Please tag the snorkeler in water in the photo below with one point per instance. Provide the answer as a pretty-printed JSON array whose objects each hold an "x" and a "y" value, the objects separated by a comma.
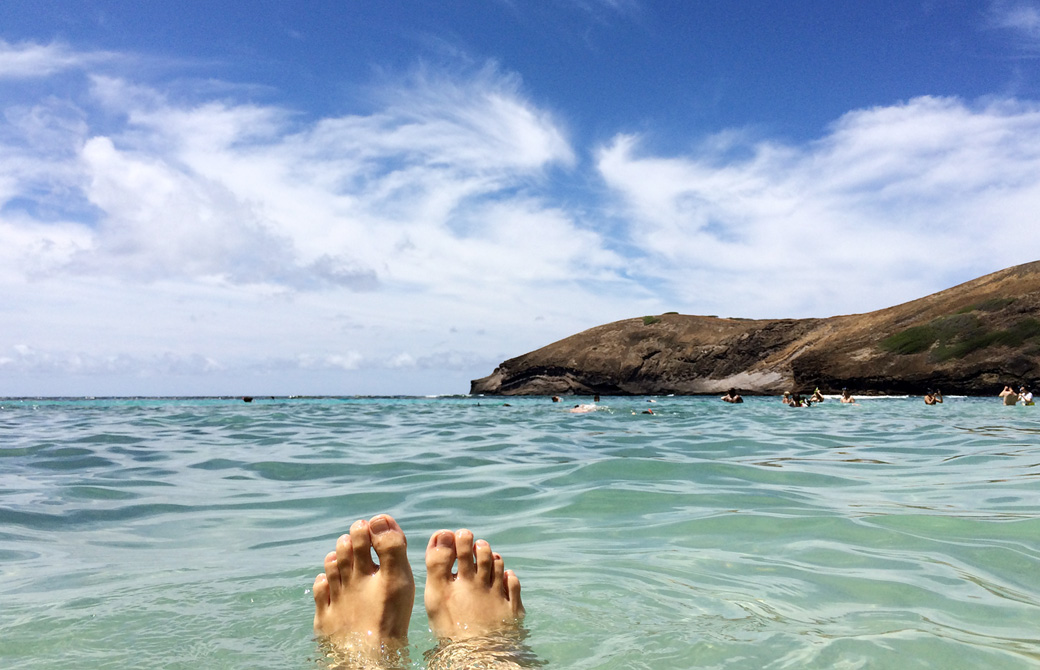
[{"x": 362, "y": 609}]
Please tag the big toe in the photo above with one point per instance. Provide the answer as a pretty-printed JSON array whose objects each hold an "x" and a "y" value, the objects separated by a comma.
[
  {"x": 389, "y": 542},
  {"x": 440, "y": 556}
]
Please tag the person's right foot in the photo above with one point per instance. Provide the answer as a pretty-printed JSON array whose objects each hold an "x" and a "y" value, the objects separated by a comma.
[{"x": 482, "y": 597}]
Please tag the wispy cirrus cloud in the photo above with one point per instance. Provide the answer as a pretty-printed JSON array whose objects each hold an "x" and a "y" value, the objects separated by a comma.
[
  {"x": 892, "y": 193},
  {"x": 1020, "y": 17},
  {"x": 240, "y": 192},
  {"x": 29, "y": 60}
]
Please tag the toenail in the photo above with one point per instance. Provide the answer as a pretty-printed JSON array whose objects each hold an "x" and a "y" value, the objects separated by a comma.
[
  {"x": 445, "y": 539},
  {"x": 378, "y": 525}
]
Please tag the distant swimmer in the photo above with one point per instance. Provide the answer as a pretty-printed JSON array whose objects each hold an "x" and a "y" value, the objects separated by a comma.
[
  {"x": 933, "y": 397},
  {"x": 583, "y": 409},
  {"x": 1025, "y": 395},
  {"x": 786, "y": 399},
  {"x": 1008, "y": 395},
  {"x": 797, "y": 401},
  {"x": 732, "y": 396},
  {"x": 847, "y": 398},
  {"x": 556, "y": 398},
  {"x": 817, "y": 396}
]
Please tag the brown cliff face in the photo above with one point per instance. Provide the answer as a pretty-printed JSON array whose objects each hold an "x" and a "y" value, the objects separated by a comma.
[{"x": 972, "y": 339}]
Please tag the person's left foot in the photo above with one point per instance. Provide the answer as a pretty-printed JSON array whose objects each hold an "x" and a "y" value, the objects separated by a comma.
[{"x": 358, "y": 603}]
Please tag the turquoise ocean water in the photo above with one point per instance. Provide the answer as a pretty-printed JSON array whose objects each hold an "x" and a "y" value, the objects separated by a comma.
[{"x": 186, "y": 533}]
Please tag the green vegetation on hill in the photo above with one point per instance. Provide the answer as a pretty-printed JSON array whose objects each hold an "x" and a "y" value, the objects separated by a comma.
[
  {"x": 957, "y": 335},
  {"x": 991, "y": 305}
]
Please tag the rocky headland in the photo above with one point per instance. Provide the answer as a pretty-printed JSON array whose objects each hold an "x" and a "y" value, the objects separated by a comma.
[{"x": 969, "y": 339}]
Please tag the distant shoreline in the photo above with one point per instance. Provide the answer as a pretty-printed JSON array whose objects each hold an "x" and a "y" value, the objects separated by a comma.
[{"x": 460, "y": 396}]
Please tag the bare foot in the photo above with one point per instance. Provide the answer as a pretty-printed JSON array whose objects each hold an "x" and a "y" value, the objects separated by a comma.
[
  {"x": 483, "y": 597},
  {"x": 360, "y": 605}
]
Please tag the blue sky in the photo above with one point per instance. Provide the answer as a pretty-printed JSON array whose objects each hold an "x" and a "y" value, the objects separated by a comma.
[{"x": 376, "y": 197}]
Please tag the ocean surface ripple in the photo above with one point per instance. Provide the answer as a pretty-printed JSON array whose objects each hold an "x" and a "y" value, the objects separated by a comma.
[{"x": 185, "y": 533}]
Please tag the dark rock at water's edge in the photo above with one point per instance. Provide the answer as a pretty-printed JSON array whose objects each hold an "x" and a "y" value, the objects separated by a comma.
[{"x": 970, "y": 339}]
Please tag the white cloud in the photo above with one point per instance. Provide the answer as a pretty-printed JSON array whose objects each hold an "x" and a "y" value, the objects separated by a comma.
[
  {"x": 1020, "y": 19},
  {"x": 25, "y": 359},
  {"x": 1022, "y": 16},
  {"x": 142, "y": 235},
  {"x": 265, "y": 243},
  {"x": 402, "y": 360},
  {"x": 30, "y": 60},
  {"x": 235, "y": 191},
  {"x": 890, "y": 193},
  {"x": 350, "y": 360}
]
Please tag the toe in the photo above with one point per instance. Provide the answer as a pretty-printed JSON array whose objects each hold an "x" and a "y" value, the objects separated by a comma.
[
  {"x": 344, "y": 559},
  {"x": 320, "y": 590},
  {"x": 513, "y": 589},
  {"x": 332, "y": 573},
  {"x": 498, "y": 578},
  {"x": 485, "y": 562},
  {"x": 464, "y": 549},
  {"x": 389, "y": 542},
  {"x": 440, "y": 556},
  {"x": 361, "y": 542}
]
